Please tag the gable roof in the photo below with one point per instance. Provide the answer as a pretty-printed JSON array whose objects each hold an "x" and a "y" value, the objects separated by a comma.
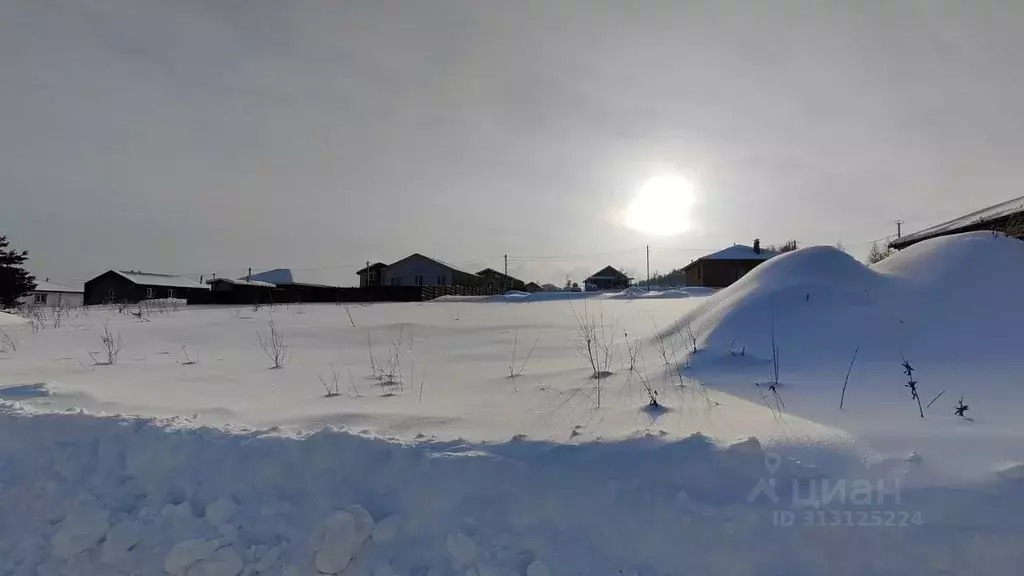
[
  {"x": 374, "y": 265},
  {"x": 241, "y": 282},
  {"x": 169, "y": 280},
  {"x": 736, "y": 252},
  {"x": 980, "y": 217},
  {"x": 275, "y": 276},
  {"x": 43, "y": 286},
  {"x": 441, "y": 262},
  {"x": 608, "y": 272}
]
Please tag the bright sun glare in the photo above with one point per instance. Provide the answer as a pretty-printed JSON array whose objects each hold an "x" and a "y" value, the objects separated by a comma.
[{"x": 662, "y": 206}]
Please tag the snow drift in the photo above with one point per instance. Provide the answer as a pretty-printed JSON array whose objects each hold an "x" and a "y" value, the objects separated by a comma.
[
  {"x": 7, "y": 319},
  {"x": 953, "y": 299},
  {"x": 103, "y": 495}
]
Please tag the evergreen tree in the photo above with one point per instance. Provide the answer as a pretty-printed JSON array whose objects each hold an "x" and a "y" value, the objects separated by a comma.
[{"x": 14, "y": 279}]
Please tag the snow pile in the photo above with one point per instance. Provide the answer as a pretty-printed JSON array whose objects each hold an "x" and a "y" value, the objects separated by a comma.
[
  {"x": 953, "y": 298},
  {"x": 7, "y": 319},
  {"x": 91, "y": 495}
]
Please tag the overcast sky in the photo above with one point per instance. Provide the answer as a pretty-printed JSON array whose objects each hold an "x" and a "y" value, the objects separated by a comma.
[{"x": 202, "y": 136}]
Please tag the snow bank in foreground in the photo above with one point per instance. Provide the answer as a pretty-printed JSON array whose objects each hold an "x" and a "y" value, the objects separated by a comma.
[
  {"x": 11, "y": 319},
  {"x": 90, "y": 495},
  {"x": 953, "y": 298}
]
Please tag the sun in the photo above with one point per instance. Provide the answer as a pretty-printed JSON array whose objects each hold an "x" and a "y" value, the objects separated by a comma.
[{"x": 662, "y": 206}]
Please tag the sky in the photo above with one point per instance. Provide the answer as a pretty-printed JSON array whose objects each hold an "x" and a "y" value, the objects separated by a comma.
[{"x": 210, "y": 136}]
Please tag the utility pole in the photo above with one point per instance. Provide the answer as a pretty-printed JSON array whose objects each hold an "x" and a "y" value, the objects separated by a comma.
[
  {"x": 248, "y": 277},
  {"x": 504, "y": 280},
  {"x": 899, "y": 229},
  {"x": 648, "y": 267}
]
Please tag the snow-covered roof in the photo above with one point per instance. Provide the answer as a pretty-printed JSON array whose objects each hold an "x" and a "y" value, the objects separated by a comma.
[
  {"x": 169, "y": 280},
  {"x": 42, "y": 286},
  {"x": 737, "y": 252},
  {"x": 241, "y": 282},
  {"x": 974, "y": 218}
]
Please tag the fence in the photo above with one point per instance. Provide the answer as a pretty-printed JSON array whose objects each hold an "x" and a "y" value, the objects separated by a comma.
[{"x": 432, "y": 292}]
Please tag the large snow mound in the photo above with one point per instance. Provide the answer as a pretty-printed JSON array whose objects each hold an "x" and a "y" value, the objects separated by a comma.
[
  {"x": 89, "y": 495},
  {"x": 952, "y": 299},
  {"x": 11, "y": 319}
]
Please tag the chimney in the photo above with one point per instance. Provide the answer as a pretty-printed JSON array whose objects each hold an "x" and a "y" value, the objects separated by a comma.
[{"x": 757, "y": 245}]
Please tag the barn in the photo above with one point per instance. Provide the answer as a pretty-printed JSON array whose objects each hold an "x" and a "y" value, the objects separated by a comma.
[{"x": 133, "y": 286}]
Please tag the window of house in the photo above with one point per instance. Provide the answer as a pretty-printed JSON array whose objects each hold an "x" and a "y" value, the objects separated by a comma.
[
  {"x": 394, "y": 280},
  {"x": 440, "y": 280},
  {"x": 149, "y": 292},
  {"x": 419, "y": 280},
  {"x": 170, "y": 292},
  {"x": 698, "y": 271},
  {"x": 110, "y": 294},
  {"x": 40, "y": 298}
]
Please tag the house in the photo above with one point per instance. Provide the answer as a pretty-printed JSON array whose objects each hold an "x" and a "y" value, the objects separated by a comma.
[
  {"x": 288, "y": 289},
  {"x": 724, "y": 267},
  {"x": 133, "y": 286},
  {"x": 419, "y": 270},
  {"x": 48, "y": 293},
  {"x": 230, "y": 291},
  {"x": 533, "y": 287},
  {"x": 499, "y": 282},
  {"x": 607, "y": 278},
  {"x": 1005, "y": 217},
  {"x": 371, "y": 275}
]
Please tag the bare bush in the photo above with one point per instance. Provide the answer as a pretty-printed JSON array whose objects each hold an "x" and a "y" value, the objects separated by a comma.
[
  {"x": 691, "y": 338},
  {"x": 188, "y": 359},
  {"x": 273, "y": 344},
  {"x": 911, "y": 384},
  {"x": 632, "y": 351},
  {"x": 733, "y": 351},
  {"x": 596, "y": 344},
  {"x": 7, "y": 342},
  {"x": 112, "y": 345},
  {"x": 333, "y": 387},
  {"x": 513, "y": 371},
  {"x": 665, "y": 346},
  {"x": 652, "y": 394},
  {"x": 846, "y": 381},
  {"x": 387, "y": 367}
]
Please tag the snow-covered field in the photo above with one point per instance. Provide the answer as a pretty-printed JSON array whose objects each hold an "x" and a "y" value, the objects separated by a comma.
[{"x": 191, "y": 454}]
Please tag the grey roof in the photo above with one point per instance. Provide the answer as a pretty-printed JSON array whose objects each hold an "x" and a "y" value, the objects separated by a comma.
[
  {"x": 980, "y": 217},
  {"x": 441, "y": 262},
  {"x": 275, "y": 276},
  {"x": 241, "y": 282},
  {"x": 169, "y": 280},
  {"x": 737, "y": 252},
  {"x": 43, "y": 286}
]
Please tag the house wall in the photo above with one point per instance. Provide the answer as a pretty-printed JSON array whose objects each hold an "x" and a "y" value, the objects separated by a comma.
[
  {"x": 54, "y": 298},
  {"x": 372, "y": 277},
  {"x": 98, "y": 290},
  {"x": 492, "y": 280},
  {"x": 404, "y": 273},
  {"x": 719, "y": 273}
]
